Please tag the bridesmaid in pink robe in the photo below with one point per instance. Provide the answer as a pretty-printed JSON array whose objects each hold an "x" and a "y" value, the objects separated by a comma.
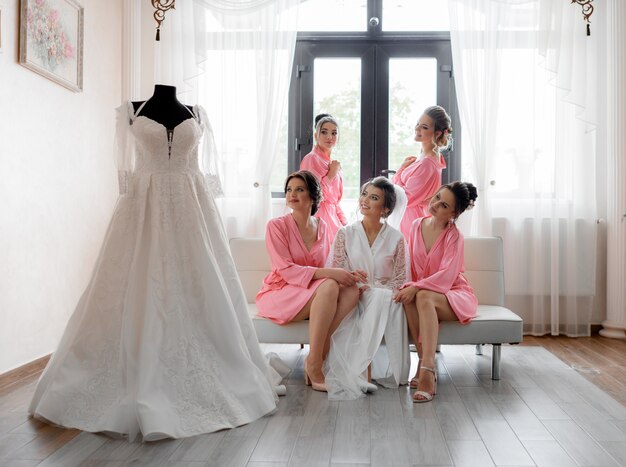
[
  {"x": 299, "y": 286},
  {"x": 439, "y": 291},
  {"x": 421, "y": 178},
  {"x": 328, "y": 173}
]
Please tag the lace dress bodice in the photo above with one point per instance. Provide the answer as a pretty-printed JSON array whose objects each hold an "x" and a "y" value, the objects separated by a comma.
[
  {"x": 163, "y": 150},
  {"x": 145, "y": 146}
]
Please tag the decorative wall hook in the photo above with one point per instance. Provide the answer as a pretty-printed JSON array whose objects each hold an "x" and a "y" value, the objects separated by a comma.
[
  {"x": 587, "y": 10},
  {"x": 161, "y": 6}
]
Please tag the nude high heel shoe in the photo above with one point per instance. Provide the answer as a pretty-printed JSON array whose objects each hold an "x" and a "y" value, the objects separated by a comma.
[
  {"x": 309, "y": 382},
  {"x": 427, "y": 396}
]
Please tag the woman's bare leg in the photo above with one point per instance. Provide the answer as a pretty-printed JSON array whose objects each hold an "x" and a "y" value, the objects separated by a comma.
[
  {"x": 432, "y": 307},
  {"x": 321, "y": 310},
  {"x": 413, "y": 322},
  {"x": 348, "y": 299}
]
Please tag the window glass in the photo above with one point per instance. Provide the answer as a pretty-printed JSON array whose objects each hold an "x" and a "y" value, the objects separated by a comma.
[
  {"x": 525, "y": 145},
  {"x": 235, "y": 143},
  {"x": 332, "y": 15},
  {"x": 337, "y": 91},
  {"x": 415, "y": 15},
  {"x": 412, "y": 88},
  {"x": 279, "y": 170},
  {"x": 238, "y": 143}
]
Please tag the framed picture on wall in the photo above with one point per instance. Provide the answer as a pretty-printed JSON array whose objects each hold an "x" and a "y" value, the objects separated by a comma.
[
  {"x": 0, "y": 27},
  {"x": 51, "y": 40}
]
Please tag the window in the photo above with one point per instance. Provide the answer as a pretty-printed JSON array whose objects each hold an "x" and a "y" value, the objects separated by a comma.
[
  {"x": 415, "y": 15},
  {"x": 406, "y": 96},
  {"x": 527, "y": 163},
  {"x": 337, "y": 90},
  {"x": 332, "y": 15},
  {"x": 374, "y": 78}
]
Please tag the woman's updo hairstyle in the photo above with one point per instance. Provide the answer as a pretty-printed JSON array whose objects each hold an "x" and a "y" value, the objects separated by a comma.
[
  {"x": 389, "y": 191},
  {"x": 312, "y": 186},
  {"x": 318, "y": 116},
  {"x": 442, "y": 123},
  {"x": 465, "y": 195}
]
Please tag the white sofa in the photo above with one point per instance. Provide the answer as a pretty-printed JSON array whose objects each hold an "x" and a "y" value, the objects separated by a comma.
[{"x": 484, "y": 268}]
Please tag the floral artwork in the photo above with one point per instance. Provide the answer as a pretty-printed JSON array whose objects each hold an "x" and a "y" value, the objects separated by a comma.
[
  {"x": 50, "y": 41},
  {"x": 51, "y": 35}
]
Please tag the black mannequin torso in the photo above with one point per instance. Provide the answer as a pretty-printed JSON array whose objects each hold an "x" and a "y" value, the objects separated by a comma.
[{"x": 163, "y": 107}]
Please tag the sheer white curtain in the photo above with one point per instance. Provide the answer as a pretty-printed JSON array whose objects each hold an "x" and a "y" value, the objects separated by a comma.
[
  {"x": 235, "y": 58},
  {"x": 526, "y": 82}
]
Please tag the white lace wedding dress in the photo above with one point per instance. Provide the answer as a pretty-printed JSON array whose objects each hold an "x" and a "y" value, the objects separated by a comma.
[{"x": 160, "y": 344}]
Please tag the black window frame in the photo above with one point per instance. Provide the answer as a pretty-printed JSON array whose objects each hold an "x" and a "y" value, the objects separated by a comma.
[{"x": 374, "y": 47}]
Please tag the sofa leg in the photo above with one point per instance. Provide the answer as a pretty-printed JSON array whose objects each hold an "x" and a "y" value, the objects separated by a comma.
[
  {"x": 496, "y": 350},
  {"x": 479, "y": 349},
  {"x": 301, "y": 346}
]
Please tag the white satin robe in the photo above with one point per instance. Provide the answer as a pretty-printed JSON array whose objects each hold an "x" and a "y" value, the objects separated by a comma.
[{"x": 357, "y": 341}]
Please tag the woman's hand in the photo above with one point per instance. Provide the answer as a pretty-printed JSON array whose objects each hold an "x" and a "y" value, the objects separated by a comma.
[
  {"x": 406, "y": 295},
  {"x": 335, "y": 166},
  {"x": 347, "y": 278},
  {"x": 342, "y": 277},
  {"x": 360, "y": 275},
  {"x": 408, "y": 161}
]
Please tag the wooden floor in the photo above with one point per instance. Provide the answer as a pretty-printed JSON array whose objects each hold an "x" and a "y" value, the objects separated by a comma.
[
  {"x": 600, "y": 360},
  {"x": 560, "y": 402}
]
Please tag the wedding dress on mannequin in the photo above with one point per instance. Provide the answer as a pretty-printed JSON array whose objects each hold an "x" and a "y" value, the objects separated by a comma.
[{"x": 161, "y": 343}]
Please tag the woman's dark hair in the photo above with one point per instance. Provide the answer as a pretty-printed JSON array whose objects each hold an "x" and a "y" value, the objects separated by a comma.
[
  {"x": 465, "y": 195},
  {"x": 389, "y": 191},
  {"x": 312, "y": 186},
  {"x": 319, "y": 116},
  {"x": 442, "y": 123}
]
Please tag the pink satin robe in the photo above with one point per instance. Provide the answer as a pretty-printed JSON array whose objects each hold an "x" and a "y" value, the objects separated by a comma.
[
  {"x": 420, "y": 182},
  {"x": 332, "y": 190},
  {"x": 440, "y": 270},
  {"x": 290, "y": 285}
]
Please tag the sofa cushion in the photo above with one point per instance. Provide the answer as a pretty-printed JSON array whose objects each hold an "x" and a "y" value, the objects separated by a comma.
[
  {"x": 269, "y": 332},
  {"x": 492, "y": 325}
]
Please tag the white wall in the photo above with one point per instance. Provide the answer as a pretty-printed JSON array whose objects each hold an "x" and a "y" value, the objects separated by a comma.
[{"x": 57, "y": 182}]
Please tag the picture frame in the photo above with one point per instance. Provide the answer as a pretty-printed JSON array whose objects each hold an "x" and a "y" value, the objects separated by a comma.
[
  {"x": 1, "y": 6},
  {"x": 51, "y": 40}
]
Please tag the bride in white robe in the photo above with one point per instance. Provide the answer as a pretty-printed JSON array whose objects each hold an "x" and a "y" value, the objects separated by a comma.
[{"x": 375, "y": 247}]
